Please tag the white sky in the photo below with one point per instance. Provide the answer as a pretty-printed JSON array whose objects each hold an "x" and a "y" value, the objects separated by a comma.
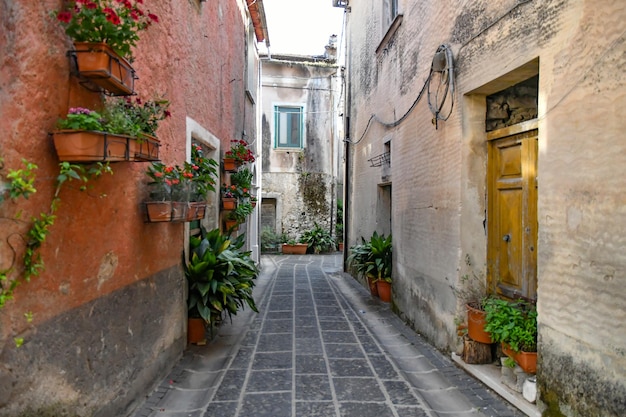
[{"x": 301, "y": 27}]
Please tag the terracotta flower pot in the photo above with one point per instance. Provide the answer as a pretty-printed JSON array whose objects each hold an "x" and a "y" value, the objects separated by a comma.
[
  {"x": 92, "y": 146},
  {"x": 230, "y": 164},
  {"x": 230, "y": 224},
  {"x": 296, "y": 249},
  {"x": 158, "y": 211},
  {"x": 145, "y": 148},
  {"x": 229, "y": 203},
  {"x": 96, "y": 63},
  {"x": 88, "y": 146},
  {"x": 196, "y": 331},
  {"x": 195, "y": 211},
  {"x": 526, "y": 360},
  {"x": 384, "y": 290},
  {"x": 371, "y": 282},
  {"x": 476, "y": 325}
]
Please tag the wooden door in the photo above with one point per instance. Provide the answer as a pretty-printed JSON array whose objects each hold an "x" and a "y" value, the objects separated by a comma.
[{"x": 512, "y": 213}]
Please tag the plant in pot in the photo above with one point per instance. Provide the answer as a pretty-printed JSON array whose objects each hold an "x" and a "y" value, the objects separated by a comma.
[
  {"x": 471, "y": 292},
  {"x": 104, "y": 34},
  {"x": 123, "y": 131},
  {"x": 239, "y": 153},
  {"x": 291, "y": 246},
  {"x": 357, "y": 262},
  {"x": 239, "y": 215},
  {"x": 242, "y": 178},
  {"x": 220, "y": 278},
  {"x": 514, "y": 325},
  {"x": 379, "y": 264},
  {"x": 318, "y": 239}
]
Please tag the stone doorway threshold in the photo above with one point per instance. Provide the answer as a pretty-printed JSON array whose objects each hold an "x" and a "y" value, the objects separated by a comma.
[{"x": 490, "y": 376}]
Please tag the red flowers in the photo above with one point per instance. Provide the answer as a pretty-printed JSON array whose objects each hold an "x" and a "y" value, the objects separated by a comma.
[
  {"x": 117, "y": 23},
  {"x": 239, "y": 150},
  {"x": 64, "y": 17}
]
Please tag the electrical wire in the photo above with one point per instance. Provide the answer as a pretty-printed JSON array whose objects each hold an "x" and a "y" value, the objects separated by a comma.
[{"x": 436, "y": 110}]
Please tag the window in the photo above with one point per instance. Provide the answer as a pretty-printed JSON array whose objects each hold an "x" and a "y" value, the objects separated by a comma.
[{"x": 288, "y": 127}]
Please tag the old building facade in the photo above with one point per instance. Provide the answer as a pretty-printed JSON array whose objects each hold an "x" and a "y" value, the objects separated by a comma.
[
  {"x": 301, "y": 143},
  {"x": 488, "y": 139},
  {"x": 106, "y": 318}
]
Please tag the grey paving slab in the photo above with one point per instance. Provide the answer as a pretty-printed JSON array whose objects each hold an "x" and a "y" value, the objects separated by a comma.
[{"x": 320, "y": 346}]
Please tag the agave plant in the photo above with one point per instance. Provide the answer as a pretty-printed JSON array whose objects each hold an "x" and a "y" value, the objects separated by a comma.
[{"x": 220, "y": 276}]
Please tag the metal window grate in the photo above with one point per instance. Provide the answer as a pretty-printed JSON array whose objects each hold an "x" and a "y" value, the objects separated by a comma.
[{"x": 380, "y": 160}]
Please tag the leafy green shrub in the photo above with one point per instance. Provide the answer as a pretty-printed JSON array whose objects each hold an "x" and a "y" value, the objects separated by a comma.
[
  {"x": 512, "y": 322},
  {"x": 318, "y": 239},
  {"x": 372, "y": 258},
  {"x": 269, "y": 240},
  {"x": 220, "y": 276}
]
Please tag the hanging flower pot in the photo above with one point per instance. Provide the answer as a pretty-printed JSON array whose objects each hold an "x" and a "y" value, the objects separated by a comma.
[
  {"x": 145, "y": 148},
  {"x": 158, "y": 211},
  {"x": 92, "y": 146},
  {"x": 229, "y": 203},
  {"x": 230, "y": 165},
  {"x": 230, "y": 224},
  {"x": 97, "y": 64},
  {"x": 195, "y": 211}
]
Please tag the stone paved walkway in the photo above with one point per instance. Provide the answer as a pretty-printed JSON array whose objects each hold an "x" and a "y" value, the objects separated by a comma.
[{"x": 321, "y": 346}]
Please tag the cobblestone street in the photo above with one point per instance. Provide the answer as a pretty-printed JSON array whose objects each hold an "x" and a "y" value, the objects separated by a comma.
[{"x": 320, "y": 346}]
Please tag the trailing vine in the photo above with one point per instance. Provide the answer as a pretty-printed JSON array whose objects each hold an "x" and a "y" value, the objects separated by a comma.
[{"x": 22, "y": 184}]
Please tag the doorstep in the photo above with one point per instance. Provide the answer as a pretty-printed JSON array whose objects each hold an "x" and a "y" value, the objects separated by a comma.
[{"x": 490, "y": 376}]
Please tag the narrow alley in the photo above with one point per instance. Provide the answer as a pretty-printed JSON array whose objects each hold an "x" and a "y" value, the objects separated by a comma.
[{"x": 320, "y": 346}]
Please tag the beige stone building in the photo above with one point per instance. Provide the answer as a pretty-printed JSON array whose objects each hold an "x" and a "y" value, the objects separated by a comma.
[
  {"x": 301, "y": 130},
  {"x": 488, "y": 138}
]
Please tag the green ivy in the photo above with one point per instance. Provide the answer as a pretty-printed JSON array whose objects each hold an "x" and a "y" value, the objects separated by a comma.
[{"x": 22, "y": 185}]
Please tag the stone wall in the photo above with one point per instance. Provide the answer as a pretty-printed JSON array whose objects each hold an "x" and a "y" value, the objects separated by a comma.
[
  {"x": 301, "y": 181},
  {"x": 438, "y": 171}
]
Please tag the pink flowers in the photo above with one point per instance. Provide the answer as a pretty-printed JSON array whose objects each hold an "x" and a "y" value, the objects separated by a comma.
[{"x": 79, "y": 110}]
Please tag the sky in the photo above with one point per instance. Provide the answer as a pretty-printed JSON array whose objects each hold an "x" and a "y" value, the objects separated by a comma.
[{"x": 301, "y": 27}]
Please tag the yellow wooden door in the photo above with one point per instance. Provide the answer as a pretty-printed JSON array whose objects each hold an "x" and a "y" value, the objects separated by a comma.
[{"x": 512, "y": 213}]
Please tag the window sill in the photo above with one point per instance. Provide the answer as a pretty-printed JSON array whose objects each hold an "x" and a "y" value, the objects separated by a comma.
[{"x": 390, "y": 32}]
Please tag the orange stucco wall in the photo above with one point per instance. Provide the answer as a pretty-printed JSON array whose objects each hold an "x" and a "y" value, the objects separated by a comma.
[{"x": 99, "y": 243}]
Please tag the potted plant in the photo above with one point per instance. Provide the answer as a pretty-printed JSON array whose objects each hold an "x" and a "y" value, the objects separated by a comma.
[
  {"x": 104, "y": 33},
  {"x": 514, "y": 325},
  {"x": 220, "y": 278},
  {"x": 242, "y": 178},
  {"x": 318, "y": 239},
  {"x": 239, "y": 214},
  {"x": 379, "y": 264},
  {"x": 123, "y": 131},
  {"x": 229, "y": 197},
  {"x": 238, "y": 155},
  {"x": 293, "y": 247},
  {"x": 357, "y": 262},
  {"x": 180, "y": 191}
]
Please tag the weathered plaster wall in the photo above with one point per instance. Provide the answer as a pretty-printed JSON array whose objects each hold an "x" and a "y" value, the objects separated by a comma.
[
  {"x": 304, "y": 180},
  {"x": 107, "y": 272},
  {"x": 438, "y": 175}
]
